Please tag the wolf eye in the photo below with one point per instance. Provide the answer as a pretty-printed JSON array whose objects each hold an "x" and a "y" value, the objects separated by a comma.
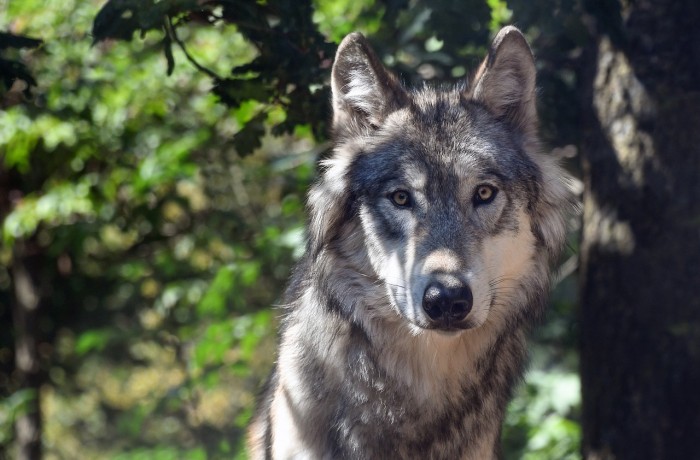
[
  {"x": 401, "y": 198},
  {"x": 484, "y": 194}
]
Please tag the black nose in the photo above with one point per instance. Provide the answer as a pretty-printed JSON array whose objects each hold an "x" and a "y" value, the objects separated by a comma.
[{"x": 447, "y": 304}]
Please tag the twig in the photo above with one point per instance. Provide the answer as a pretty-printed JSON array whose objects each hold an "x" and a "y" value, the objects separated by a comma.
[{"x": 170, "y": 30}]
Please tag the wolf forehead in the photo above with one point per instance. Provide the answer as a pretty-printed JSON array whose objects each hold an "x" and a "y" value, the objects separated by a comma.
[{"x": 440, "y": 137}]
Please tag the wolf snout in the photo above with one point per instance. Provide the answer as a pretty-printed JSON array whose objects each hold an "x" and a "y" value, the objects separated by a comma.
[{"x": 447, "y": 305}]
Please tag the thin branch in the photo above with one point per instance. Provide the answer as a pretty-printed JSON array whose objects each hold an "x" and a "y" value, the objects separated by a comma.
[{"x": 172, "y": 33}]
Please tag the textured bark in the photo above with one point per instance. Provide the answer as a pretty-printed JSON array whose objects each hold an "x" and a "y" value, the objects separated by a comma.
[
  {"x": 640, "y": 286},
  {"x": 25, "y": 270}
]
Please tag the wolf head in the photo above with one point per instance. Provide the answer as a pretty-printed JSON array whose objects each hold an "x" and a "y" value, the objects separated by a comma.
[{"x": 440, "y": 197}]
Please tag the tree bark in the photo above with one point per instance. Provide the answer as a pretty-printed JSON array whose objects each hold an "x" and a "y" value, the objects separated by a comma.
[
  {"x": 640, "y": 254},
  {"x": 26, "y": 275}
]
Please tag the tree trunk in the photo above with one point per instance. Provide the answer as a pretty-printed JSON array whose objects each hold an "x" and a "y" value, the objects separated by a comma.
[
  {"x": 640, "y": 255},
  {"x": 25, "y": 270}
]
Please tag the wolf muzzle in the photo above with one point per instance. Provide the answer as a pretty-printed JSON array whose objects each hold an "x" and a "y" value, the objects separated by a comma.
[{"x": 447, "y": 304}]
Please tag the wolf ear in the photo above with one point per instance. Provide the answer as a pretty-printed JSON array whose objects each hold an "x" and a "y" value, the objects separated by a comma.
[
  {"x": 364, "y": 92},
  {"x": 505, "y": 82}
]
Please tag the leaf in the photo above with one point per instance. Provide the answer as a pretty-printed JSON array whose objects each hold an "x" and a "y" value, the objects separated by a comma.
[
  {"x": 118, "y": 19},
  {"x": 92, "y": 340},
  {"x": 234, "y": 91},
  {"x": 168, "y": 50},
  {"x": 58, "y": 205},
  {"x": 217, "y": 340},
  {"x": 14, "y": 70},
  {"x": 12, "y": 408},
  {"x": 250, "y": 137},
  {"x": 214, "y": 300},
  {"x": 8, "y": 40}
]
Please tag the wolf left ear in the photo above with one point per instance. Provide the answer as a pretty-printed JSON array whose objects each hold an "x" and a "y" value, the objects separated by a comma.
[
  {"x": 364, "y": 92},
  {"x": 505, "y": 82}
]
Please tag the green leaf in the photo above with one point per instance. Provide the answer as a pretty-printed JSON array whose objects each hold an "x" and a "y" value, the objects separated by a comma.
[
  {"x": 500, "y": 14},
  {"x": 94, "y": 340},
  {"x": 11, "y": 408},
  {"x": 58, "y": 205},
  {"x": 250, "y": 137},
  {"x": 215, "y": 299},
  {"x": 234, "y": 91},
  {"x": 214, "y": 344}
]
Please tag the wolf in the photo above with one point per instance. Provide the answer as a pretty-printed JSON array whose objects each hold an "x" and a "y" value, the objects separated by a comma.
[{"x": 432, "y": 231}]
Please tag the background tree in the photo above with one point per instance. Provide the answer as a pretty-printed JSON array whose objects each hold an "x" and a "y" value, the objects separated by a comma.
[{"x": 640, "y": 304}]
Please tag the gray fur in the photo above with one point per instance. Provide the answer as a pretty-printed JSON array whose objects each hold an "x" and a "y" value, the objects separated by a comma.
[{"x": 363, "y": 370}]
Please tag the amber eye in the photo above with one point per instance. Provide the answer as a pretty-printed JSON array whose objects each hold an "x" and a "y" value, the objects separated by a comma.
[
  {"x": 401, "y": 198},
  {"x": 484, "y": 194}
]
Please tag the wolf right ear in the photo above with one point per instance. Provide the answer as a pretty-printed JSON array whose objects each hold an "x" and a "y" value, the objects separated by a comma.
[
  {"x": 505, "y": 82},
  {"x": 364, "y": 92}
]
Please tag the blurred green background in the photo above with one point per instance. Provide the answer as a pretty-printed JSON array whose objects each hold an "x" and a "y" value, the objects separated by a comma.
[{"x": 152, "y": 205}]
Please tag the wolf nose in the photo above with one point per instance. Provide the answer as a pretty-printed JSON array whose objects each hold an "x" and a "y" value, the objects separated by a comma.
[{"x": 447, "y": 304}]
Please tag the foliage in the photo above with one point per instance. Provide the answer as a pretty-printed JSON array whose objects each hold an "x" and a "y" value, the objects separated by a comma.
[
  {"x": 539, "y": 418},
  {"x": 543, "y": 419},
  {"x": 132, "y": 187},
  {"x": 165, "y": 243},
  {"x": 12, "y": 69},
  {"x": 291, "y": 61},
  {"x": 10, "y": 408}
]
